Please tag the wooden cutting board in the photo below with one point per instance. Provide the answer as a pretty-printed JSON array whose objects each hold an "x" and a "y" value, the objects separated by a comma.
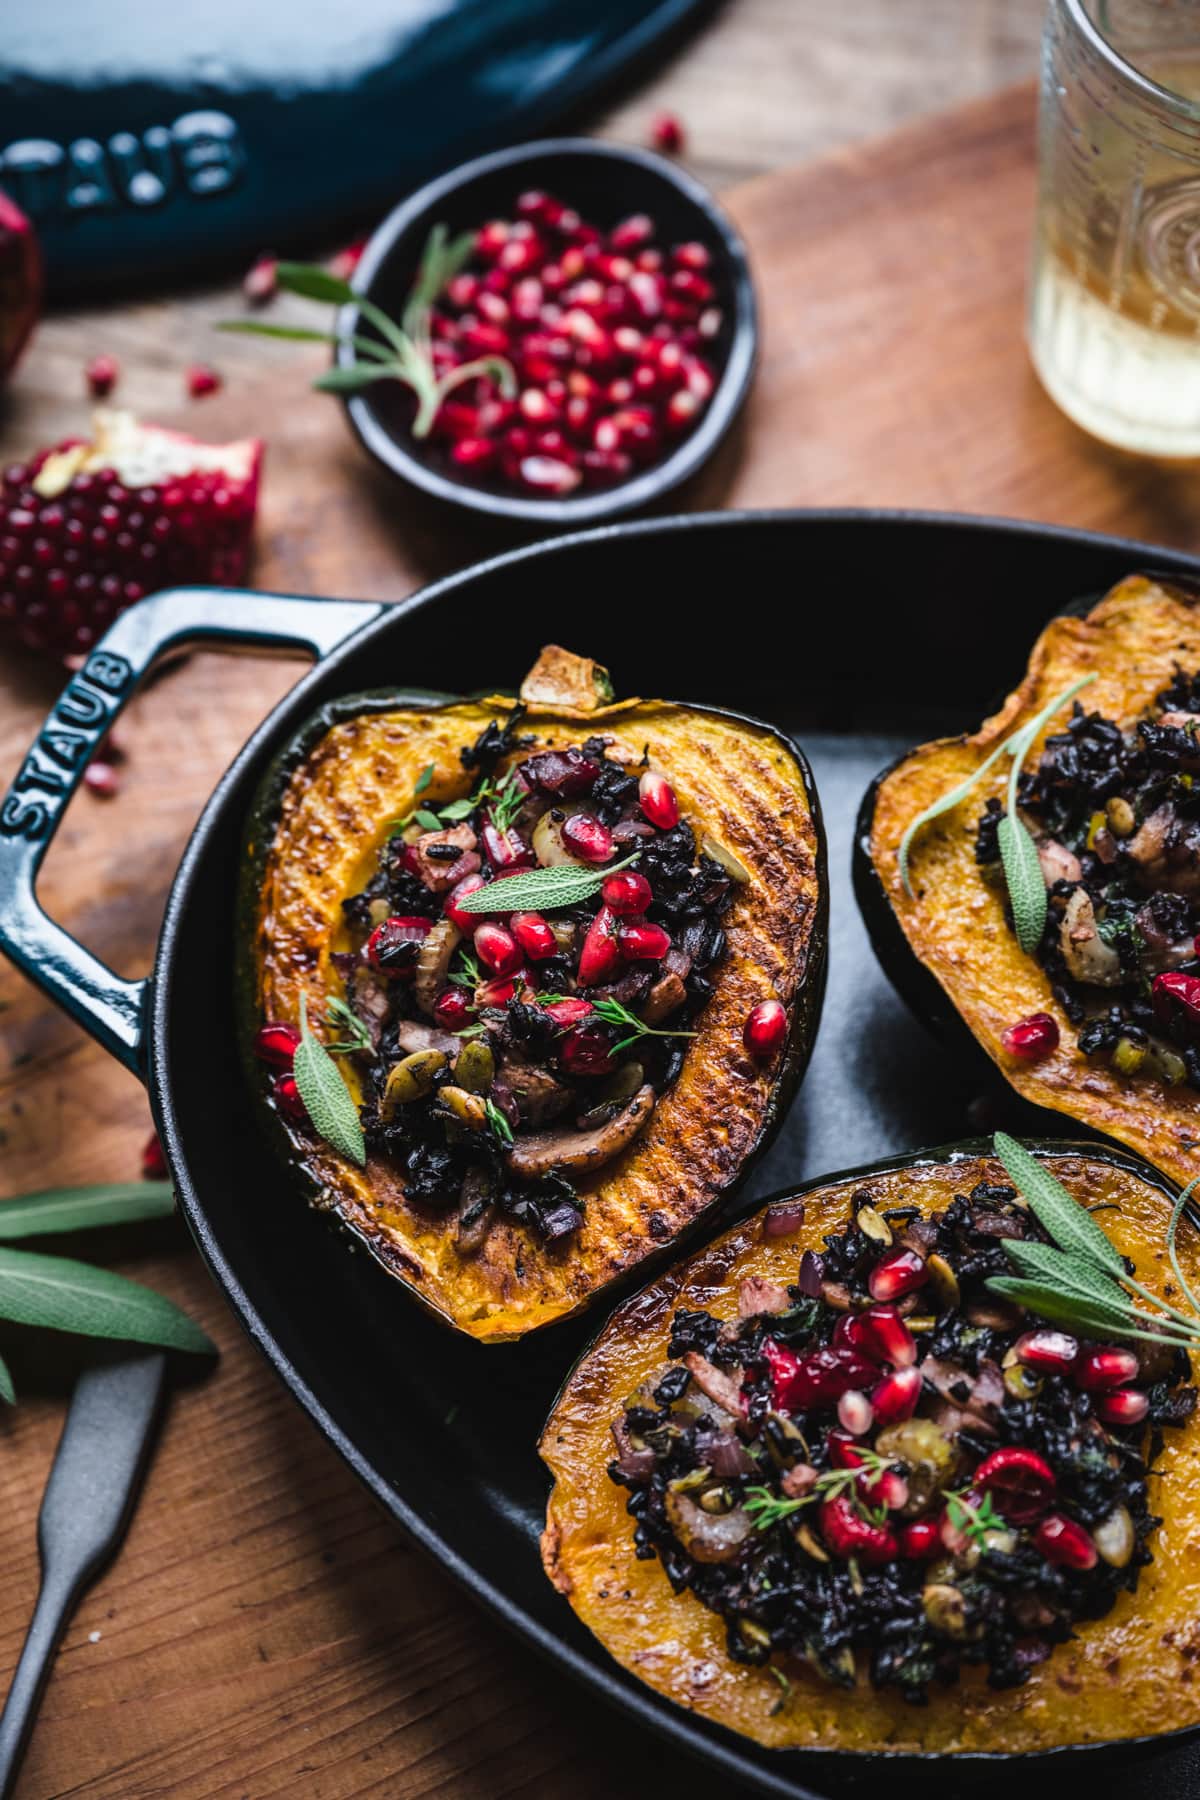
[{"x": 265, "y": 1631}]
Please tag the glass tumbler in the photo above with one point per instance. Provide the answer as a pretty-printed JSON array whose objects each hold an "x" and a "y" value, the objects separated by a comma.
[{"x": 1114, "y": 304}]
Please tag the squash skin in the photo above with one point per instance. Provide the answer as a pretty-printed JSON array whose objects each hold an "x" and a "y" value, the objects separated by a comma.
[
  {"x": 739, "y": 778},
  {"x": 948, "y": 949},
  {"x": 1118, "y": 1681}
]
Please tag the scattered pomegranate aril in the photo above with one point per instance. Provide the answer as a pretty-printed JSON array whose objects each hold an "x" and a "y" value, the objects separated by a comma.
[
  {"x": 498, "y": 992},
  {"x": 667, "y": 133},
  {"x": 921, "y": 1540},
  {"x": 1124, "y": 1406},
  {"x": 465, "y": 921},
  {"x": 1109, "y": 1367},
  {"x": 855, "y": 1412},
  {"x": 154, "y": 1161},
  {"x": 505, "y": 849},
  {"x": 586, "y": 1053},
  {"x": 1062, "y": 1542},
  {"x": 20, "y": 283},
  {"x": 287, "y": 1099},
  {"x": 765, "y": 1030},
  {"x": 102, "y": 375},
  {"x": 474, "y": 453},
  {"x": 346, "y": 261},
  {"x": 626, "y": 892},
  {"x": 1021, "y": 1482},
  {"x": 568, "y": 1011},
  {"x": 1032, "y": 1038},
  {"x": 276, "y": 1045},
  {"x": 393, "y": 946},
  {"x": 847, "y": 1533},
  {"x": 452, "y": 1008},
  {"x": 1051, "y": 1352},
  {"x": 817, "y": 1378},
  {"x": 497, "y": 949},
  {"x": 102, "y": 779},
  {"x": 1174, "y": 989},
  {"x": 534, "y": 935},
  {"x": 202, "y": 380},
  {"x": 89, "y": 527},
  {"x": 900, "y": 1272},
  {"x": 657, "y": 799},
  {"x": 601, "y": 953},
  {"x": 586, "y": 837},
  {"x": 889, "y": 1488},
  {"x": 885, "y": 1337},
  {"x": 261, "y": 281},
  {"x": 643, "y": 942},
  {"x": 896, "y": 1396}
]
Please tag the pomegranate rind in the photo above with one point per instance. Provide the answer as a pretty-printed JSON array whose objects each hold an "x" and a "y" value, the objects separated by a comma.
[
  {"x": 1121, "y": 1677},
  {"x": 323, "y": 813}
]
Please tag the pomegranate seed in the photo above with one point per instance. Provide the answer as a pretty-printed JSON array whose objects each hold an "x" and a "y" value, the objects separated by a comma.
[
  {"x": 346, "y": 261},
  {"x": 505, "y": 849},
  {"x": 1175, "y": 989},
  {"x": 1022, "y": 1483},
  {"x": 765, "y": 1030},
  {"x": 533, "y": 204},
  {"x": 1124, "y": 1406},
  {"x": 201, "y": 380},
  {"x": 465, "y": 921},
  {"x": 682, "y": 410},
  {"x": 884, "y": 1337},
  {"x": 586, "y": 1053},
  {"x": 601, "y": 953},
  {"x": 491, "y": 238},
  {"x": 102, "y": 374},
  {"x": 287, "y": 1099},
  {"x": 626, "y": 892},
  {"x": 921, "y": 1540},
  {"x": 452, "y": 1008},
  {"x": 844, "y": 1453},
  {"x": 1063, "y": 1542},
  {"x": 474, "y": 453},
  {"x": 1054, "y": 1352},
  {"x": 657, "y": 799},
  {"x": 848, "y": 1534},
  {"x": 896, "y": 1396},
  {"x": 855, "y": 1412},
  {"x": 261, "y": 281},
  {"x": 643, "y": 942},
  {"x": 568, "y": 1012},
  {"x": 1031, "y": 1038},
  {"x": 497, "y": 949},
  {"x": 587, "y": 838},
  {"x": 534, "y": 935},
  {"x": 102, "y": 779},
  {"x": 899, "y": 1273},
  {"x": 818, "y": 1378},
  {"x": 154, "y": 1162},
  {"x": 276, "y": 1045},
  {"x": 632, "y": 233},
  {"x": 498, "y": 992},
  {"x": 394, "y": 946},
  {"x": 549, "y": 475},
  {"x": 691, "y": 256},
  {"x": 889, "y": 1488},
  {"x": 667, "y": 133},
  {"x": 1110, "y": 1367}
]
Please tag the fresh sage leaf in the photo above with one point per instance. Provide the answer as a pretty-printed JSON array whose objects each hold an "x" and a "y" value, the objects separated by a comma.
[
  {"x": 1070, "y": 1225},
  {"x": 1026, "y": 883},
  {"x": 65, "y": 1295},
  {"x": 1042, "y": 1262},
  {"x": 540, "y": 890},
  {"x": 327, "y": 1100},
  {"x": 1080, "y": 1315},
  {"x": 84, "y": 1208},
  {"x": 7, "y": 1390},
  {"x": 1172, "y": 1244}
]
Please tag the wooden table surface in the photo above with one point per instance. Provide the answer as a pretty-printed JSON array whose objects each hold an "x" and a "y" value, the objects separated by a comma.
[{"x": 265, "y": 1632}]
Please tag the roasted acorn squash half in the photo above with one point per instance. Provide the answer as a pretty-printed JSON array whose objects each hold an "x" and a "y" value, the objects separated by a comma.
[
  {"x": 533, "y": 1132},
  {"x": 726, "y": 1503},
  {"x": 948, "y": 942}
]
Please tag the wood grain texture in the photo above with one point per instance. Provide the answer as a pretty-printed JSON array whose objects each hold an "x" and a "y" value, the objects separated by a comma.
[{"x": 265, "y": 1632}]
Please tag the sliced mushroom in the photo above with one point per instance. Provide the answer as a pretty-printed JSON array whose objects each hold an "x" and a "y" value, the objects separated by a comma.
[
  {"x": 433, "y": 963},
  {"x": 759, "y": 1294},
  {"x": 708, "y": 1537},
  {"x": 665, "y": 997},
  {"x": 444, "y": 857},
  {"x": 539, "y": 1096},
  {"x": 1088, "y": 958},
  {"x": 475, "y": 1214},
  {"x": 1165, "y": 852},
  {"x": 1058, "y": 863},
  {"x": 412, "y": 1035},
  {"x": 1161, "y": 951},
  {"x": 714, "y": 1383},
  {"x": 583, "y": 1150}
]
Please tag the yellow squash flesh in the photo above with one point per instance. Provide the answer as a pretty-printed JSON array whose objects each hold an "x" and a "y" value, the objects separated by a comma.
[
  {"x": 732, "y": 778},
  {"x": 1127, "y": 1675},
  {"x": 954, "y": 919}
]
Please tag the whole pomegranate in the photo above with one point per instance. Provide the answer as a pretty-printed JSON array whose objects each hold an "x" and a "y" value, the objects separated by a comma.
[
  {"x": 91, "y": 526},
  {"x": 20, "y": 283}
]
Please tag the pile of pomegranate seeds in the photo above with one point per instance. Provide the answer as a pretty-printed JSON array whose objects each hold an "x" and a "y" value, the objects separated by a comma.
[
  {"x": 917, "y": 1476},
  {"x": 89, "y": 527},
  {"x": 611, "y": 336}
]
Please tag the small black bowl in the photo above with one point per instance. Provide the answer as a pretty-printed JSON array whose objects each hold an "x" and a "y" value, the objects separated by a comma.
[{"x": 605, "y": 184}]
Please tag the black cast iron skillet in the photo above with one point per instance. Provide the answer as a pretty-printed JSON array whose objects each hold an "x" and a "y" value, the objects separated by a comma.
[{"x": 861, "y": 633}]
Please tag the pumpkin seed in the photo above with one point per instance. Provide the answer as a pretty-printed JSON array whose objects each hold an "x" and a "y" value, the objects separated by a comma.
[
  {"x": 411, "y": 1079},
  {"x": 1128, "y": 1057},
  {"x": 946, "y": 1610},
  {"x": 711, "y": 847},
  {"x": 1121, "y": 818},
  {"x": 803, "y": 1535},
  {"x": 1114, "y": 1538},
  {"x": 717, "y": 1500},
  {"x": 873, "y": 1225},
  {"x": 467, "y": 1109},
  {"x": 945, "y": 1282},
  {"x": 1021, "y": 1382},
  {"x": 475, "y": 1067}
]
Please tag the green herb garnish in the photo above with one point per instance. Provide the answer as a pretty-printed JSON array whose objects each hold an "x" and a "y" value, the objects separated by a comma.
[
  {"x": 357, "y": 1039},
  {"x": 499, "y": 1124},
  {"x": 613, "y": 1013},
  {"x": 327, "y": 1099},
  {"x": 1018, "y": 852},
  {"x": 767, "y": 1509},
  {"x": 541, "y": 890},
  {"x": 402, "y": 352},
  {"x": 975, "y": 1517},
  {"x": 1081, "y": 1281},
  {"x": 469, "y": 976},
  {"x": 508, "y": 801}
]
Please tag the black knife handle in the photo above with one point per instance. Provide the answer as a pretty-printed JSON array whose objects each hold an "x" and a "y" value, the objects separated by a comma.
[{"x": 89, "y": 1498}]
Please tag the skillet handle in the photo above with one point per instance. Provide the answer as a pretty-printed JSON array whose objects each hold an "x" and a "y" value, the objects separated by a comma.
[{"x": 104, "y": 1003}]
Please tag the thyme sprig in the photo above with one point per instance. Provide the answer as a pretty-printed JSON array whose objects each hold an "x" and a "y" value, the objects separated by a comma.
[
  {"x": 1080, "y": 1280},
  {"x": 469, "y": 975},
  {"x": 977, "y": 1518},
  {"x": 1018, "y": 852},
  {"x": 403, "y": 351},
  {"x": 356, "y": 1039},
  {"x": 614, "y": 1013},
  {"x": 767, "y": 1509}
]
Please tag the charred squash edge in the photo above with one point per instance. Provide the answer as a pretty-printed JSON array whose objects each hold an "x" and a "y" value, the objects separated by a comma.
[
  {"x": 938, "y": 1766},
  {"x": 258, "y": 836},
  {"x": 915, "y": 981}
]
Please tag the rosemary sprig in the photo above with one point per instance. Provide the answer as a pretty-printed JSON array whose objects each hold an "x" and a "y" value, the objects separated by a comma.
[
  {"x": 357, "y": 1039},
  {"x": 402, "y": 352},
  {"x": 976, "y": 1517},
  {"x": 1018, "y": 852},
  {"x": 1081, "y": 1281},
  {"x": 614, "y": 1013}
]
